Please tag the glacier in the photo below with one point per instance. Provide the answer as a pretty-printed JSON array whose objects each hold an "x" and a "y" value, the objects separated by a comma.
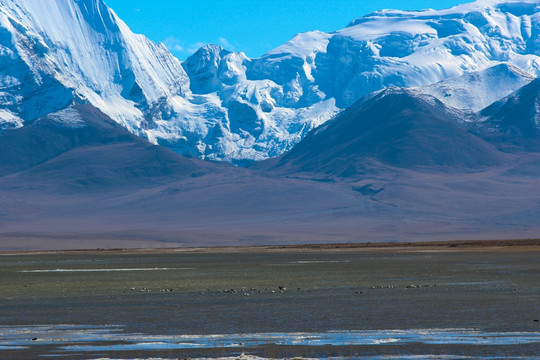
[{"x": 222, "y": 105}]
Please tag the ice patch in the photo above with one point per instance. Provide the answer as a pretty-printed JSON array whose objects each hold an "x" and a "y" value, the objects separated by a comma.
[
  {"x": 69, "y": 117},
  {"x": 7, "y": 347},
  {"x": 476, "y": 91},
  {"x": 8, "y": 120}
]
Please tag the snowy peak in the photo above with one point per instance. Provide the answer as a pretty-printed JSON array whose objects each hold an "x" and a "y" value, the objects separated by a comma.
[
  {"x": 212, "y": 66},
  {"x": 475, "y": 91},
  {"x": 101, "y": 18},
  {"x": 292, "y": 60},
  {"x": 83, "y": 46},
  {"x": 416, "y": 48},
  {"x": 51, "y": 17},
  {"x": 514, "y": 7}
]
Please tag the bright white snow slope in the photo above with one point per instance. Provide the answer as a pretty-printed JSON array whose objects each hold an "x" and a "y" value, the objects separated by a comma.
[
  {"x": 82, "y": 45},
  {"x": 223, "y": 105}
]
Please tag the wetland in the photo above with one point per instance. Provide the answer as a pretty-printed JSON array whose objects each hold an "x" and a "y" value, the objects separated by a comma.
[{"x": 404, "y": 302}]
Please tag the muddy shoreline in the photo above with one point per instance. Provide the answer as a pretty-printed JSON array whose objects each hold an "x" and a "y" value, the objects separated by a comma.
[{"x": 461, "y": 245}]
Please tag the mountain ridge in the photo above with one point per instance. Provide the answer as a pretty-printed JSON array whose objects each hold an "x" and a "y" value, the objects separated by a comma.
[
  {"x": 512, "y": 123},
  {"x": 399, "y": 128},
  {"x": 98, "y": 185},
  {"x": 227, "y": 106}
]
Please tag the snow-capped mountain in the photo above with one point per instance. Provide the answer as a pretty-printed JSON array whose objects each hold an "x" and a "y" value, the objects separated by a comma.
[
  {"x": 222, "y": 105},
  {"x": 403, "y": 48},
  {"x": 63, "y": 47},
  {"x": 388, "y": 48}
]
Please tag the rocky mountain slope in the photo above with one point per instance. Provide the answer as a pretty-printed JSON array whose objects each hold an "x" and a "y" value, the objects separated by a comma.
[
  {"x": 82, "y": 147},
  {"x": 513, "y": 123},
  {"x": 399, "y": 128}
]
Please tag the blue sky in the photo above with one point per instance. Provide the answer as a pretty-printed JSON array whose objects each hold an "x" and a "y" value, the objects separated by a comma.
[{"x": 251, "y": 26}]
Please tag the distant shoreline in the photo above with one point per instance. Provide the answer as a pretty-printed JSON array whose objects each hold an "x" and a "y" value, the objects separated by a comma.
[{"x": 448, "y": 246}]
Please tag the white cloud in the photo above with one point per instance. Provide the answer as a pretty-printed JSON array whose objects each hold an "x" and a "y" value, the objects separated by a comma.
[
  {"x": 177, "y": 46},
  {"x": 226, "y": 44},
  {"x": 194, "y": 47},
  {"x": 174, "y": 44}
]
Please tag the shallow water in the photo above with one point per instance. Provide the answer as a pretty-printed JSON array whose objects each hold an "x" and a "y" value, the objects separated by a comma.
[
  {"x": 81, "y": 337},
  {"x": 318, "y": 305}
]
